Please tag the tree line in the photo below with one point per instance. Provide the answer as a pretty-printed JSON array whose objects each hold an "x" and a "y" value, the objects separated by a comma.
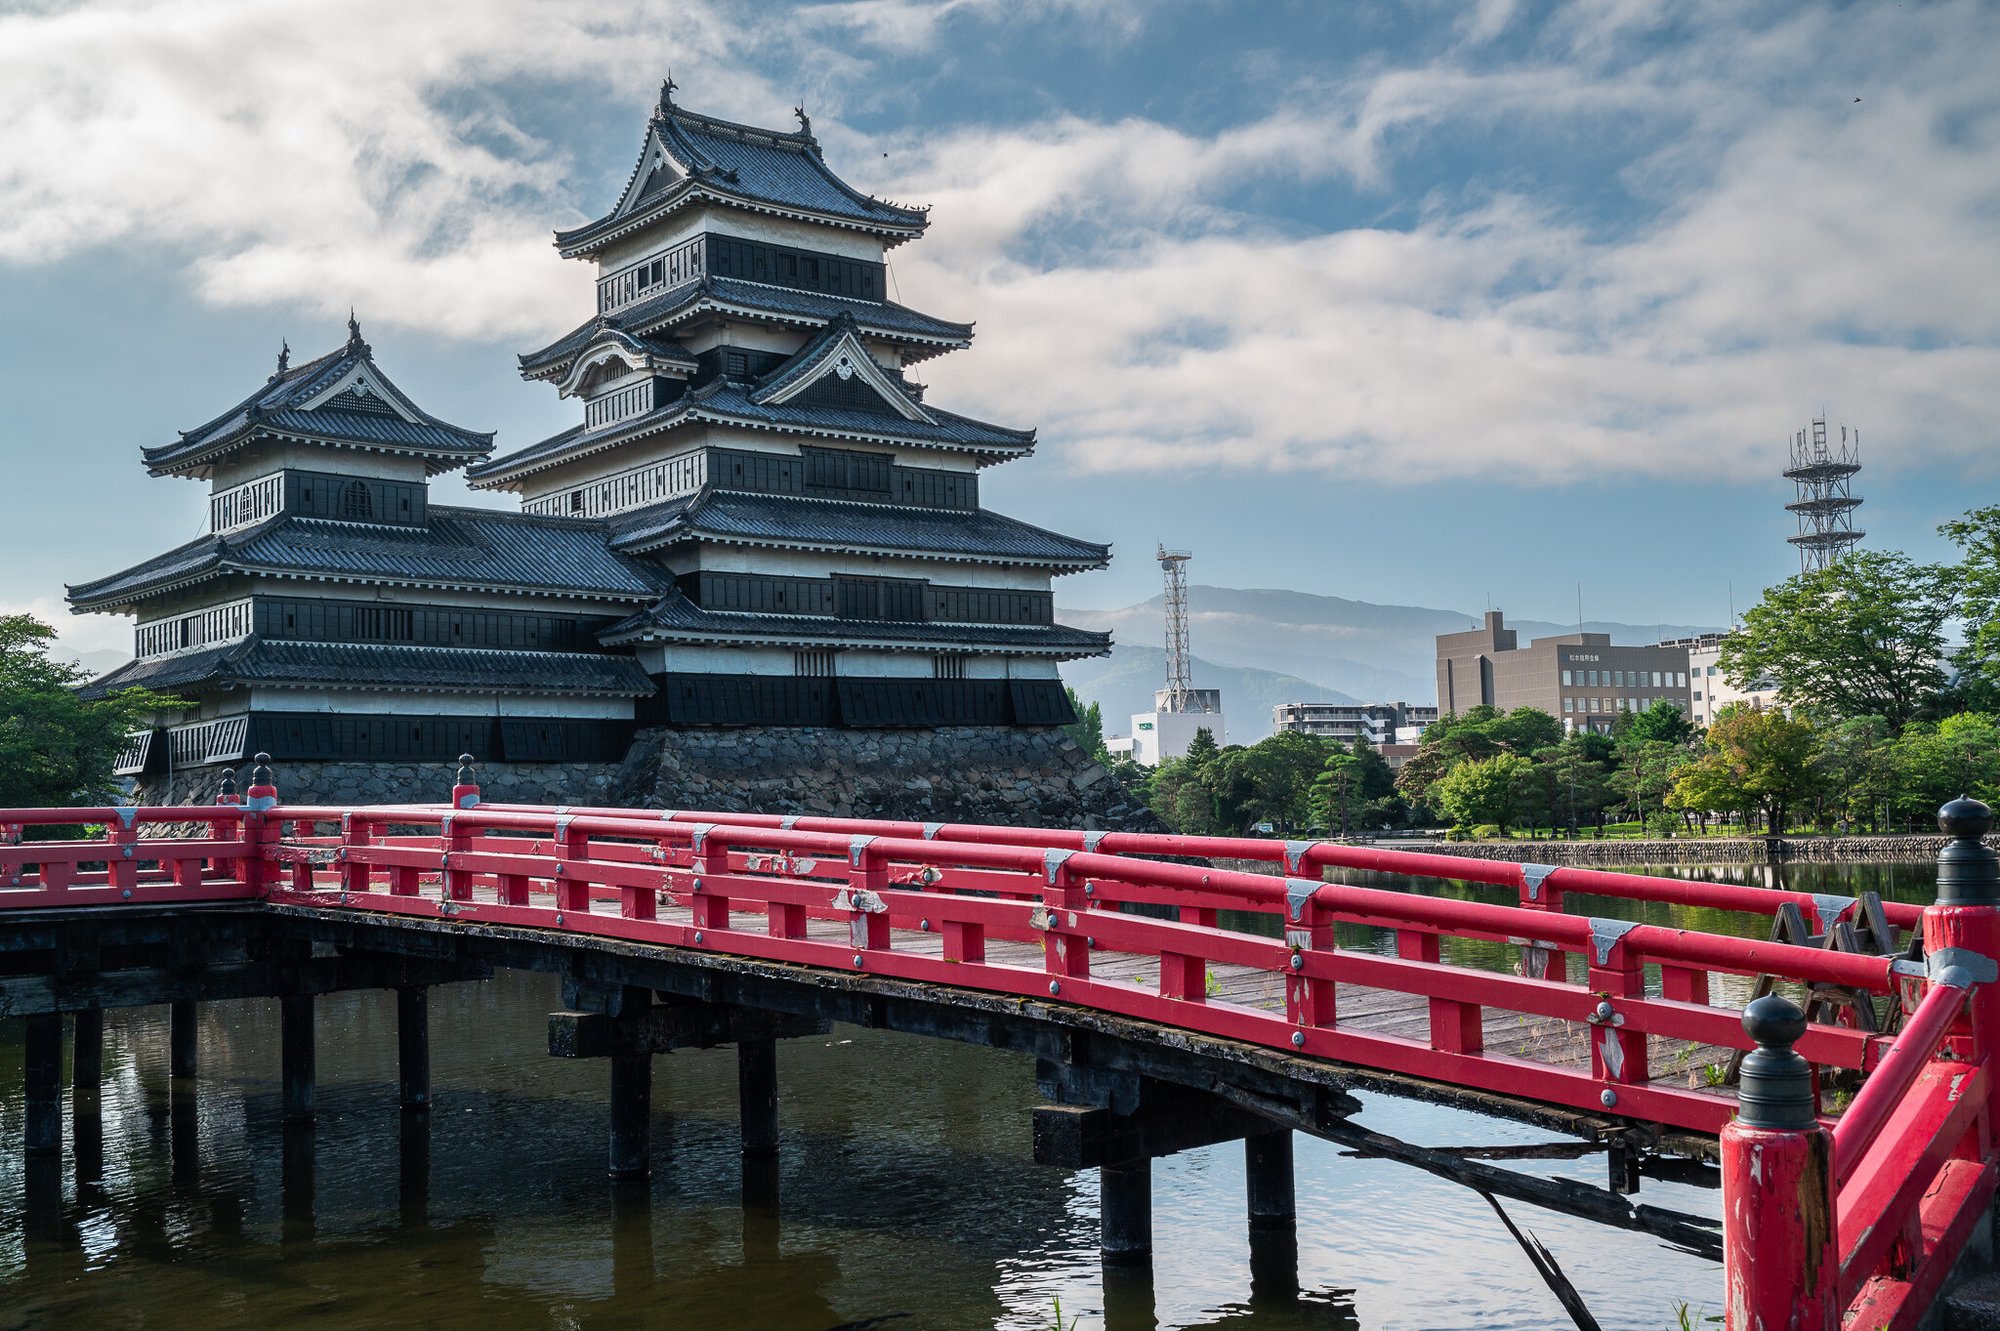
[{"x": 1881, "y": 722}]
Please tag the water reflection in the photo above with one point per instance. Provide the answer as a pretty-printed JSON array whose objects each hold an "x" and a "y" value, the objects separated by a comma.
[{"x": 904, "y": 1194}]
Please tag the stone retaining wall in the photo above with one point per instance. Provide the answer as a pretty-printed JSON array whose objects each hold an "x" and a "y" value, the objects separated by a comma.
[
  {"x": 1018, "y": 778},
  {"x": 398, "y": 783},
  {"x": 1021, "y": 778}
]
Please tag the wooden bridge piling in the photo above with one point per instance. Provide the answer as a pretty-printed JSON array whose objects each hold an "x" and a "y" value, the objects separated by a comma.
[
  {"x": 413, "y": 1047},
  {"x": 42, "y": 1059},
  {"x": 1125, "y": 1209},
  {"x": 631, "y": 1157},
  {"x": 182, "y": 1042},
  {"x": 757, "y": 1095},
  {"x": 86, "y": 1063},
  {"x": 1268, "y": 1180},
  {"x": 296, "y": 1055}
]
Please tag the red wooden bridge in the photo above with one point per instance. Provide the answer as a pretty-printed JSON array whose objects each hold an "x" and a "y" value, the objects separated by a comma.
[{"x": 1134, "y": 967}]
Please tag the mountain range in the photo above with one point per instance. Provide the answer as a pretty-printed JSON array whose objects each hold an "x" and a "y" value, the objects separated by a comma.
[{"x": 1306, "y": 648}]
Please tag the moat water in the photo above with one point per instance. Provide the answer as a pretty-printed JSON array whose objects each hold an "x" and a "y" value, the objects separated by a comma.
[{"x": 908, "y": 1198}]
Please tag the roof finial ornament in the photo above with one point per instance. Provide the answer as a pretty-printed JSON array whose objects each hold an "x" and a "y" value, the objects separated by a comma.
[
  {"x": 667, "y": 91},
  {"x": 805, "y": 121},
  {"x": 284, "y": 358},
  {"x": 354, "y": 342}
]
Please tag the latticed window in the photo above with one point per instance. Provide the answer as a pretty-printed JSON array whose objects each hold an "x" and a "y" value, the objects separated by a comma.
[{"x": 355, "y": 501}]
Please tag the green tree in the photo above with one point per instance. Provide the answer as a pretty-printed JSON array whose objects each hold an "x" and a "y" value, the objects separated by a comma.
[
  {"x": 1932, "y": 763},
  {"x": 1575, "y": 779},
  {"x": 1662, "y": 723},
  {"x": 1646, "y": 772},
  {"x": 1752, "y": 761},
  {"x": 1484, "y": 790},
  {"x": 1088, "y": 728},
  {"x": 1863, "y": 637},
  {"x": 56, "y": 748},
  {"x": 1978, "y": 535}
]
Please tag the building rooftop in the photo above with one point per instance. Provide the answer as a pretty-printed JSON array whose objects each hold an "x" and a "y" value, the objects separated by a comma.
[
  {"x": 689, "y": 157},
  {"x": 676, "y": 618},
  {"x": 256, "y": 661},
  {"x": 471, "y": 548},
  {"x": 732, "y": 517},
  {"x": 342, "y": 399}
]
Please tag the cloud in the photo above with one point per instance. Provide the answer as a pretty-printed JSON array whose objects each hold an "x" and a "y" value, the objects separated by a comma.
[{"x": 1612, "y": 241}]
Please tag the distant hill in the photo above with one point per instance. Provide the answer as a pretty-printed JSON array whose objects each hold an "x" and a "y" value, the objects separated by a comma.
[
  {"x": 1123, "y": 683},
  {"x": 1304, "y": 646}
]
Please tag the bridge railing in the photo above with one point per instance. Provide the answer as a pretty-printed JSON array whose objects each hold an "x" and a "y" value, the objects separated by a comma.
[
  {"x": 1539, "y": 886},
  {"x": 116, "y": 861},
  {"x": 757, "y": 890}
]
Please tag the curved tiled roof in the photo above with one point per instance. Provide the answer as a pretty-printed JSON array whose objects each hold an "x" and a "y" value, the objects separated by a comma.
[
  {"x": 280, "y": 407},
  {"x": 739, "y": 518},
  {"x": 724, "y": 403},
  {"x": 876, "y": 318},
  {"x": 765, "y": 169},
  {"x": 676, "y": 618},
  {"x": 456, "y": 547},
  {"x": 277, "y": 664}
]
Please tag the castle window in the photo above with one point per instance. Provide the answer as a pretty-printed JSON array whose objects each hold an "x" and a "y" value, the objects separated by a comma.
[
  {"x": 812, "y": 663},
  {"x": 355, "y": 501}
]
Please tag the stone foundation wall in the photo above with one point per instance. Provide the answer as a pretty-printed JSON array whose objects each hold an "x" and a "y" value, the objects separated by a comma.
[
  {"x": 397, "y": 783},
  {"x": 1019, "y": 778}
]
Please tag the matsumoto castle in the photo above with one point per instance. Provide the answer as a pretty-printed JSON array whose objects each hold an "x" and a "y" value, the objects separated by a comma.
[{"x": 758, "y": 520}]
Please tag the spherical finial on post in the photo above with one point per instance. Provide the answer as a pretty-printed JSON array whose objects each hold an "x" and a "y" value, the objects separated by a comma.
[
  {"x": 1968, "y": 871},
  {"x": 465, "y": 790},
  {"x": 260, "y": 775},
  {"x": 1776, "y": 1088},
  {"x": 226, "y": 794}
]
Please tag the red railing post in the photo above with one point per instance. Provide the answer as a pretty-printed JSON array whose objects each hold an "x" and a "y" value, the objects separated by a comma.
[
  {"x": 1779, "y": 1261},
  {"x": 465, "y": 792},
  {"x": 1617, "y": 1054},
  {"x": 1308, "y": 929},
  {"x": 1540, "y": 962},
  {"x": 1065, "y": 947},
  {"x": 260, "y": 830},
  {"x": 1966, "y": 920},
  {"x": 355, "y": 831},
  {"x": 868, "y": 918},
  {"x": 572, "y": 888},
  {"x": 121, "y": 854}
]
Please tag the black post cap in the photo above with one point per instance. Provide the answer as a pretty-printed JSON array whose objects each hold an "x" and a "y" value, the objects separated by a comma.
[
  {"x": 260, "y": 775},
  {"x": 1968, "y": 871},
  {"x": 464, "y": 769},
  {"x": 228, "y": 781},
  {"x": 1775, "y": 1089}
]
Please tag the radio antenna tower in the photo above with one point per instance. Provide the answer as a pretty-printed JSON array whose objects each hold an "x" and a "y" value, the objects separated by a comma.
[
  {"x": 1825, "y": 508},
  {"x": 1179, "y": 688}
]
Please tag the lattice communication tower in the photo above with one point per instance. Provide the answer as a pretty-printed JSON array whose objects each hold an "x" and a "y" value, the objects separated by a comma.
[
  {"x": 1179, "y": 687},
  {"x": 1825, "y": 508}
]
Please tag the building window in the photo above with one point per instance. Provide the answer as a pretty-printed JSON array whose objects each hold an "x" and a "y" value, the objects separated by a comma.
[
  {"x": 1569, "y": 704},
  {"x": 1566, "y": 678},
  {"x": 355, "y": 501},
  {"x": 812, "y": 663},
  {"x": 948, "y": 666}
]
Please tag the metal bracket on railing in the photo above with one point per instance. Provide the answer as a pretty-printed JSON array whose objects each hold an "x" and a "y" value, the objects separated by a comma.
[
  {"x": 1831, "y": 907},
  {"x": 1295, "y": 853},
  {"x": 1604, "y": 935},
  {"x": 1533, "y": 876},
  {"x": 1052, "y": 863},
  {"x": 931, "y": 830},
  {"x": 127, "y": 816},
  {"x": 1298, "y": 891},
  {"x": 855, "y": 847},
  {"x": 560, "y": 810},
  {"x": 698, "y": 838},
  {"x": 1091, "y": 840},
  {"x": 259, "y": 803},
  {"x": 1977, "y": 967},
  {"x": 788, "y": 822},
  {"x": 860, "y": 899},
  {"x": 562, "y": 827}
]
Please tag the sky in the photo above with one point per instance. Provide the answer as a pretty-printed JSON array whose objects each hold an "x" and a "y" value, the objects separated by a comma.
[{"x": 1452, "y": 304}]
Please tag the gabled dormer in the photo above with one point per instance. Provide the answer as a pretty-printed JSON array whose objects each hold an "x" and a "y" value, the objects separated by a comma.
[
  {"x": 332, "y": 438},
  {"x": 835, "y": 370}
]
